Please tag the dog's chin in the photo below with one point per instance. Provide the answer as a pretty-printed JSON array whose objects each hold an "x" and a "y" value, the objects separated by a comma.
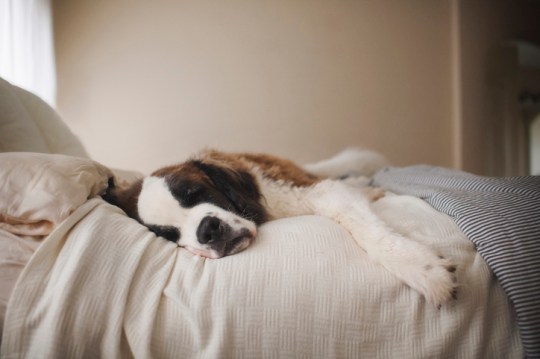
[
  {"x": 206, "y": 253},
  {"x": 231, "y": 247}
]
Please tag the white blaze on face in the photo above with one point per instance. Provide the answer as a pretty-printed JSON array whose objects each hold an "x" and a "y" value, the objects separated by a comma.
[{"x": 157, "y": 206}]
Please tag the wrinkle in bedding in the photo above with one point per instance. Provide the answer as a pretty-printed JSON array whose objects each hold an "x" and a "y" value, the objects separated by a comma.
[{"x": 40, "y": 190}]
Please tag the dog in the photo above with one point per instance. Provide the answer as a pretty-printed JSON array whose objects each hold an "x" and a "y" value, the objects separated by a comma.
[{"x": 213, "y": 203}]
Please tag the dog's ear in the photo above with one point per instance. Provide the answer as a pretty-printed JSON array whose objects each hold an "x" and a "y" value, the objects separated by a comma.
[
  {"x": 125, "y": 199},
  {"x": 240, "y": 188},
  {"x": 110, "y": 193}
]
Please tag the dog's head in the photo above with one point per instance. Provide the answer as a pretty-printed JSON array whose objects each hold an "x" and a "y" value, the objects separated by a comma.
[{"x": 210, "y": 208}]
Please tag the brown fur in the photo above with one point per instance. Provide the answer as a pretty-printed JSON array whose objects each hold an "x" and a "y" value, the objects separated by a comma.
[
  {"x": 126, "y": 198},
  {"x": 273, "y": 167},
  {"x": 186, "y": 170}
]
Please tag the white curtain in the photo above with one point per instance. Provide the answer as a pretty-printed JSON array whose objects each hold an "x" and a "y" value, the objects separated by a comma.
[{"x": 27, "y": 47}]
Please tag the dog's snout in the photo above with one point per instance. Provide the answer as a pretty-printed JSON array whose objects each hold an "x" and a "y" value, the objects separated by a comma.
[
  {"x": 211, "y": 229},
  {"x": 222, "y": 238}
]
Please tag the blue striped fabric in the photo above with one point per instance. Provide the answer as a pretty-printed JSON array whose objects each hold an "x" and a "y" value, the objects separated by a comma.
[{"x": 501, "y": 216}]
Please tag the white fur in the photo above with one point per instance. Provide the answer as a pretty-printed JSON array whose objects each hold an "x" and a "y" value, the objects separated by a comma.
[
  {"x": 281, "y": 199},
  {"x": 158, "y": 206},
  {"x": 414, "y": 263},
  {"x": 350, "y": 162}
]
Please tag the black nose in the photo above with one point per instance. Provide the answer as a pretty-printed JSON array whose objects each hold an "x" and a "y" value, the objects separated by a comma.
[{"x": 211, "y": 230}]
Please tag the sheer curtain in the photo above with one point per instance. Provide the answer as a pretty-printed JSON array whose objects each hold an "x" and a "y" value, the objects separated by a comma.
[{"x": 26, "y": 46}]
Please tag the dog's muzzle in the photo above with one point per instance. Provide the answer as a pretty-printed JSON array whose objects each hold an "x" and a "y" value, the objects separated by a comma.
[{"x": 223, "y": 238}]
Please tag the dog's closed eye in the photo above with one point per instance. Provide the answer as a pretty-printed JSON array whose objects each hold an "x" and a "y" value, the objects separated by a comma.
[
  {"x": 193, "y": 193},
  {"x": 188, "y": 194}
]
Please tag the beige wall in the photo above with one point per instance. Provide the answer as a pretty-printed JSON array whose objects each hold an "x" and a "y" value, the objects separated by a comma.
[{"x": 146, "y": 83}]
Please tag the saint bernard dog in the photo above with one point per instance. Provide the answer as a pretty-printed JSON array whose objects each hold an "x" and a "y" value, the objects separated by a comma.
[{"x": 212, "y": 204}]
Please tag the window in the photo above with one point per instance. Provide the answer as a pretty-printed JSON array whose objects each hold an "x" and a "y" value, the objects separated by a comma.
[{"x": 26, "y": 46}]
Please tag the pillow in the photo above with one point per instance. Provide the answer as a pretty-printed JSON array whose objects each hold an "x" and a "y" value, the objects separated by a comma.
[
  {"x": 29, "y": 124},
  {"x": 40, "y": 190},
  {"x": 18, "y": 131}
]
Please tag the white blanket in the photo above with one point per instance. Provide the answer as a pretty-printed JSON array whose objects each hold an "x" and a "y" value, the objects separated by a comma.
[
  {"x": 102, "y": 285},
  {"x": 37, "y": 192}
]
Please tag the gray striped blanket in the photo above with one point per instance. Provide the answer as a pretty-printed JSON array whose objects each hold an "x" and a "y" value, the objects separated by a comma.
[{"x": 501, "y": 216}]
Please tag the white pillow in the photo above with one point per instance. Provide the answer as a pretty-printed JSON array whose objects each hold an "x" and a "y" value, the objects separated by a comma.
[
  {"x": 29, "y": 124},
  {"x": 39, "y": 191},
  {"x": 18, "y": 132}
]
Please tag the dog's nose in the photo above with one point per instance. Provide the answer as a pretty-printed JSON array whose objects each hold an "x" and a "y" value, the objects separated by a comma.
[{"x": 211, "y": 230}]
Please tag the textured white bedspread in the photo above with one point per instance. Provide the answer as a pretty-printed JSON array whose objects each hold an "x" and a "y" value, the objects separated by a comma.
[{"x": 101, "y": 285}]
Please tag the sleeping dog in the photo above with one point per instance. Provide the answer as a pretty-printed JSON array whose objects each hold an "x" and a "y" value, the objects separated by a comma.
[{"x": 212, "y": 204}]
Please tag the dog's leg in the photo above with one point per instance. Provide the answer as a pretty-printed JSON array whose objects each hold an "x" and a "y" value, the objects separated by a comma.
[{"x": 414, "y": 263}]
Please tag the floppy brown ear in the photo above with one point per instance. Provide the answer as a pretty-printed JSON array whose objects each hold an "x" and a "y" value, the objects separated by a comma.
[
  {"x": 240, "y": 187},
  {"x": 125, "y": 199}
]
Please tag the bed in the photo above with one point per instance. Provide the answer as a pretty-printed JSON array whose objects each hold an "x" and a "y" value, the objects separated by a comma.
[{"x": 78, "y": 278}]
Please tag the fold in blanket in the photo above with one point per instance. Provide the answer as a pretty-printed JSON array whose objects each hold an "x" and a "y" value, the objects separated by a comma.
[
  {"x": 39, "y": 190},
  {"x": 17, "y": 226}
]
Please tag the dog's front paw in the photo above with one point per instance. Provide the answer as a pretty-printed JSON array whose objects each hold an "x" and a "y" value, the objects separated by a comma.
[{"x": 436, "y": 280}]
